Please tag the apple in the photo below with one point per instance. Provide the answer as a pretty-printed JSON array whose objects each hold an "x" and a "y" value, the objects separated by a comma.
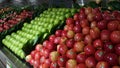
[
  {"x": 88, "y": 39},
  {"x": 54, "y": 56},
  {"x": 86, "y": 30},
  {"x": 52, "y": 38},
  {"x": 77, "y": 29},
  {"x": 70, "y": 43},
  {"x": 89, "y": 50},
  {"x": 42, "y": 59},
  {"x": 38, "y": 47},
  {"x": 62, "y": 49},
  {"x": 98, "y": 44},
  {"x": 33, "y": 53},
  {"x": 54, "y": 65},
  {"x": 79, "y": 47},
  {"x": 46, "y": 53},
  {"x": 71, "y": 54},
  {"x": 63, "y": 40},
  {"x": 57, "y": 40},
  {"x": 69, "y": 21},
  {"x": 37, "y": 56},
  {"x": 102, "y": 64},
  {"x": 70, "y": 34},
  {"x": 58, "y": 33},
  {"x": 71, "y": 63},
  {"x": 28, "y": 58},
  {"x": 90, "y": 62},
  {"x": 81, "y": 57},
  {"x": 76, "y": 16},
  {"x": 78, "y": 37},
  {"x": 84, "y": 23},
  {"x": 62, "y": 61},
  {"x": 81, "y": 65}
]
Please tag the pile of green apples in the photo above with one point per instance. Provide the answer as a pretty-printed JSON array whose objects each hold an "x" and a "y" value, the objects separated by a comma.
[{"x": 37, "y": 30}]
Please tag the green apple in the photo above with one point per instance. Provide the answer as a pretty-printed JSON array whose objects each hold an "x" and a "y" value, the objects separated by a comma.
[
  {"x": 46, "y": 25},
  {"x": 20, "y": 45},
  {"x": 6, "y": 42},
  {"x": 44, "y": 30},
  {"x": 44, "y": 12},
  {"x": 58, "y": 13},
  {"x": 53, "y": 16},
  {"x": 41, "y": 15},
  {"x": 73, "y": 10},
  {"x": 13, "y": 49},
  {"x": 16, "y": 50},
  {"x": 11, "y": 39},
  {"x": 22, "y": 55},
  {"x": 29, "y": 26},
  {"x": 60, "y": 9},
  {"x": 25, "y": 29},
  {"x": 25, "y": 24},
  {"x": 49, "y": 9},
  {"x": 54, "y": 9},
  {"x": 35, "y": 27},
  {"x": 32, "y": 21},
  {"x": 48, "y": 16},
  {"x": 23, "y": 40},
  {"x": 7, "y": 37},
  {"x": 50, "y": 26},
  {"x": 68, "y": 15},
  {"x": 62, "y": 18},
  {"x": 62, "y": 13},
  {"x": 67, "y": 10},
  {"x": 36, "y": 18},
  {"x": 51, "y": 20}
]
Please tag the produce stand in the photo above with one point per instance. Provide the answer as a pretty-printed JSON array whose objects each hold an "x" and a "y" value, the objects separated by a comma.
[{"x": 59, "y": 34}]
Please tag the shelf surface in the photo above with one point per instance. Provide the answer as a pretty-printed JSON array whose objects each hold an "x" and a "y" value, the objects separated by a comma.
[{"x": 10, "y": 60}]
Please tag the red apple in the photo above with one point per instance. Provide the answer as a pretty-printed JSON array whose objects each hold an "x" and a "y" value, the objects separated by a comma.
[
  {"x": 28, "y": 58},
  {"x": 90, "y": 62},
  {"x": 62, "y": 49},
  {"x": 86, "y": 30},
  {"x": 78, "y": 37},
  {"x": 54, "y": 65},
  {"x": 69, "y": 21},
  {"x": 77, "y": 29},
  {"x": 76, "y": 16},
  {"x": 52, "y": 38},
  {"x": 58, "y": 33},
  {"x": 98, "y": 43},
  {"x": 89, "y": 50},
  {"x": 70, "y": 43},
  {"x": 70, "y": 34},
  {"x": 39, "y": 47},
  {"x": 81, "y": 65},
  {"x": 54, "y": 56},
  {"x": 62, "y": 61},
  {"x": 102, "y": 64},
  {"x": 81, "y": 57},
  {"x": 71, "y": 54},
  {"x": 79, "y": 46},
  {"x": 71, "y": 63},
  {"x": 37, "y": 56}
]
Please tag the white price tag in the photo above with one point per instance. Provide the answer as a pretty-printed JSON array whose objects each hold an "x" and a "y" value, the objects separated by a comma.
[{"x": 8, "y": 65}]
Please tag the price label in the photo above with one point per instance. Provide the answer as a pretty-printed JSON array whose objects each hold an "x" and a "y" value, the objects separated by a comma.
[{"x": 8, "y": 65}]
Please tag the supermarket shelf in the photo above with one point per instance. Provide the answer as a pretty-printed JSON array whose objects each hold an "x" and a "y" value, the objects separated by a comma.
[
  {"x": 9, "y": 60},
  {"x": 1, "y": 64}
]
